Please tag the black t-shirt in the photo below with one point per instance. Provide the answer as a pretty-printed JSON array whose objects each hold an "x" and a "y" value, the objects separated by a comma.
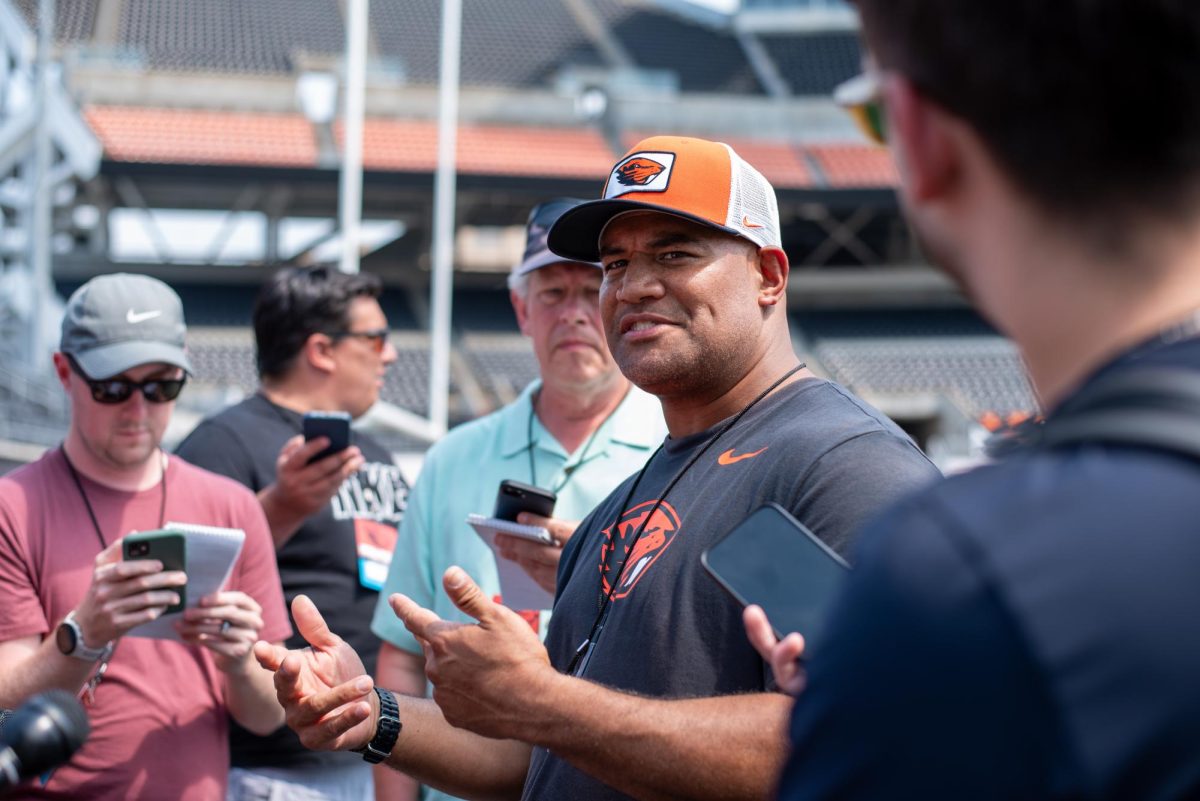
[
  {"x": 321, "y": 558},
  {"x": 672, "y": 631},
  {"x": 1029, "y": 630}
]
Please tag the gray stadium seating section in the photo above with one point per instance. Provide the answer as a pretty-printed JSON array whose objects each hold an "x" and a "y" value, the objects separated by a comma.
[
  {"x": 509, "y": 43},
  {"x": 815, "y": 63},
  {"x": 230, "y": 35},
  {"x": 32, "y": 410},
  {"x": 514, "y": 43},
  {"x": 502, "y": 363},
  {"x": 74, "y": 20},
  {"x": 949, "y": 353}
]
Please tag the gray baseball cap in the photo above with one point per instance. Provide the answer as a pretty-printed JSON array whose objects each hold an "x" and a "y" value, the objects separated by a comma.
[{"x": 118, "y": 321}]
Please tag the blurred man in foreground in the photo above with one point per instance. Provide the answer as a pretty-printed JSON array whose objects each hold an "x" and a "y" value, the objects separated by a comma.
[
  {"x": 647, "y": 686},
  {"x": 578, "y": 430},
  {"x": 1028, "y": 630}
]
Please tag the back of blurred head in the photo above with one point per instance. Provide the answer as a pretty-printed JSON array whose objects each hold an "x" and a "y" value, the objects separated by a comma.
[{"x": 1088, "y": 106}]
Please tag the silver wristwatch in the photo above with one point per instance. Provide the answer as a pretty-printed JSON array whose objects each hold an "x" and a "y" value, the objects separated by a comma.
[{"x": 69, "y": 638}]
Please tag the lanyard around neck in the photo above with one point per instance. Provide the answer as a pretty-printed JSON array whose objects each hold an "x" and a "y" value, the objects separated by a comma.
[
  {"x": 605, "y": 602},
  {"x": 162, "y": 505},
  {"x": 568, "y": 470}
]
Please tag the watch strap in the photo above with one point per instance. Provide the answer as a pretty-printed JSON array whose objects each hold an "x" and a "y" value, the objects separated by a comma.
[{"x": 387, "y": 729}]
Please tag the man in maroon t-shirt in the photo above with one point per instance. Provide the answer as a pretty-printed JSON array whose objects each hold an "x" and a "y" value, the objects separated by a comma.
[{"x": 69, "y": 604}]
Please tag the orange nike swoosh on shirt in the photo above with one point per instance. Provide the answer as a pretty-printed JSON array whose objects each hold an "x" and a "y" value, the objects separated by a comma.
[{"x": 728, "y": 458}]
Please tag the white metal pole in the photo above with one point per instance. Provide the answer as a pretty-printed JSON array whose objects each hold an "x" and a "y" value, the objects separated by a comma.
[
  {"x": 444, "y": 192},
  {"x": 350, "y": 194},
  {"x": 42, "y": 202}
]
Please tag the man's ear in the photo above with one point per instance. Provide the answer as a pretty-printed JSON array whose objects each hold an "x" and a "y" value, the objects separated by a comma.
[
  {"x": 318, "y": 352},
  {"x": 62, "y": 369},
  {"x": 773, "y": 270},
  {"x": 921, "y": 135},
  {"x": 522, "y": 312}
]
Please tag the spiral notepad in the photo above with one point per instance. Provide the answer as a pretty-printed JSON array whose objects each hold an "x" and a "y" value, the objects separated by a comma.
[
  {"x": 517, "y": 589},
  {"x": 212, "y": 552}
]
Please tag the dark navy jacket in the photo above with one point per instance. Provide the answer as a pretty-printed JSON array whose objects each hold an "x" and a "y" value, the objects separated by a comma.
[{"x": 1029, "y": 630}]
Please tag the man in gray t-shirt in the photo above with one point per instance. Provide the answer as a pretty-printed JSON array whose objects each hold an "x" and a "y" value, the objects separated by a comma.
[{"x": 647, "y": 686}]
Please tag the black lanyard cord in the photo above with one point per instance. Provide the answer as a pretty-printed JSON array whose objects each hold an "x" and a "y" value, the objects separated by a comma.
[
  {"x": 568, "y": 470},
  {"x": 162, "y": 506},
  {"x": 605, "y": 601}
]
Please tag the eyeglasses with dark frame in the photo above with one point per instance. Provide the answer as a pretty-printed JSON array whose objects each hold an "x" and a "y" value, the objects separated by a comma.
[
  {"x": 111, "y": 391},
  {"x": 377, "y": 336},
  {"x": 862, "y": 98}
]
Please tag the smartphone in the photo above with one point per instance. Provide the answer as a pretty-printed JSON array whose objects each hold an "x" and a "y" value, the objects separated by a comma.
[
  {"x": 773, "y": 560},
  {"x": 335, "y": 425},
  {"x": 515, "y": 497},
  {"x": 168, "y": 547}
]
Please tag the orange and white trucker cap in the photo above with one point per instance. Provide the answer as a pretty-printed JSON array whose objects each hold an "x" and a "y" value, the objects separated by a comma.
[{"x": 703, "y": 181}]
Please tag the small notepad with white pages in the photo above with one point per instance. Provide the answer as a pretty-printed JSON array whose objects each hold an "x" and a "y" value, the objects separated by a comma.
[
  {"x": 212, "y": 552},
  {"x": 517, "y": 589}
]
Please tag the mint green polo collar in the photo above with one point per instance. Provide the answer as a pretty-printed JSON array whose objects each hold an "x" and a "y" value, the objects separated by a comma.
[{"x": 630, "y": 425}]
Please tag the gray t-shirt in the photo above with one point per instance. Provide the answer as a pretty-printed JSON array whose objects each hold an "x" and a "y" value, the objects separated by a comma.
[{"x": 672, "y": 632}]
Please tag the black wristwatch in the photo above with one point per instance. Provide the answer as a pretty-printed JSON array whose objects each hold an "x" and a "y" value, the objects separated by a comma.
[{"x": 386, "y": 730}]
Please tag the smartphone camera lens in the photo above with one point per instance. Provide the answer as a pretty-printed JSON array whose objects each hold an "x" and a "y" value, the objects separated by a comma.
[{"x": 139, "y": 549}]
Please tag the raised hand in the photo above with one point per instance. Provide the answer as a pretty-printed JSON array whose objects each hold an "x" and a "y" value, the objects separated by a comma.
[
  {"x": 305, "y": 488},
  {"x": 124, "y": 594},
  {"x": 484, "y": 675},
  {"x": 324, "y": 689}
]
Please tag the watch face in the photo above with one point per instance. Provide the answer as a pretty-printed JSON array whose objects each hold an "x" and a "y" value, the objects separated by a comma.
[{"x": 64, "y": 638}]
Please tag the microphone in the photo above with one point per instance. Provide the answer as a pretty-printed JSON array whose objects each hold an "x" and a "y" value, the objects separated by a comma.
[{"x": 39, "y": 735}]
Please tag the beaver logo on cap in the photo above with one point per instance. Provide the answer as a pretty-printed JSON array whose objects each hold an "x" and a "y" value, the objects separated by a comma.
[{"x": 638, "y": 172}]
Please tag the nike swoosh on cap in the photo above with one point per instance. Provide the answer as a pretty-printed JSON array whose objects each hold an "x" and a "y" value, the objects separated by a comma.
[
  {"x": 748, "y": 223},
  {"x": 133, "y": 318},
  {"x": 727, "y": 458}
]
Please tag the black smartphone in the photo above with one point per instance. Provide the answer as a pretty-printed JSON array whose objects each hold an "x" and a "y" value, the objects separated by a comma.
[
  {"x": 335, "y": 425},
  {"x": 773, "y": 560},
  {"x": 515, "y": 497},
  {"x": 168, "y": 547}
]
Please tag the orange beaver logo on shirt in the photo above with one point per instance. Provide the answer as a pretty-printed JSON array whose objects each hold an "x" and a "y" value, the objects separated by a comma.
[
  {"x": 638, "y": 172},
  {"x": 636, "y": 558}
]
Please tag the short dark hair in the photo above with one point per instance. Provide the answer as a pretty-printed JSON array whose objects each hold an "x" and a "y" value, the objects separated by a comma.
[
  {"x": 1092, "y": 107},
  {"x": 298, "y": 302}
]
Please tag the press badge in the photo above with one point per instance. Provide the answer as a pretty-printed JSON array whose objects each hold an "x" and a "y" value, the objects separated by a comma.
[{"x": 375, "y": 542}]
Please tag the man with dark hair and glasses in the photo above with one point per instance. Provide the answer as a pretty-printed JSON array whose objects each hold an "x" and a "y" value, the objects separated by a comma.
[
  {"x": 1029, "y": 630},
  {"x": 69, "y": 604},
  {"x": 322, "y": 346}
]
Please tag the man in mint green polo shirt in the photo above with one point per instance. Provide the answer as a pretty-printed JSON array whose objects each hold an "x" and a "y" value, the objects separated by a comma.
[{"x": 579, "y": 430}]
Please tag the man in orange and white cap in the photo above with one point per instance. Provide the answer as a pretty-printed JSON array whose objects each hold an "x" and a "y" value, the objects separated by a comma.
[{"x": 647, "y": 686}]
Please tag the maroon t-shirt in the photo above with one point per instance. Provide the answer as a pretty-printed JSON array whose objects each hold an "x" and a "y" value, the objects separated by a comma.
[{"x": 159, "y": 726}]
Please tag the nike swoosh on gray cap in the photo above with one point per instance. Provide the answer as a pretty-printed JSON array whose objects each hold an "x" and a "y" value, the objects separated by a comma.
[{"x": 119, "y": 321}]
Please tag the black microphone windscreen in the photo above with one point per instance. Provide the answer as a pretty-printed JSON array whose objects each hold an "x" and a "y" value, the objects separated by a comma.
[{"x": 45, "y": 731}]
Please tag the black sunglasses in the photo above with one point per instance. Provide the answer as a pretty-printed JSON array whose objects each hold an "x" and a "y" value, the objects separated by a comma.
[
  {"x": 112, "y": 391},
  {"x": 378, "y": 337}
]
